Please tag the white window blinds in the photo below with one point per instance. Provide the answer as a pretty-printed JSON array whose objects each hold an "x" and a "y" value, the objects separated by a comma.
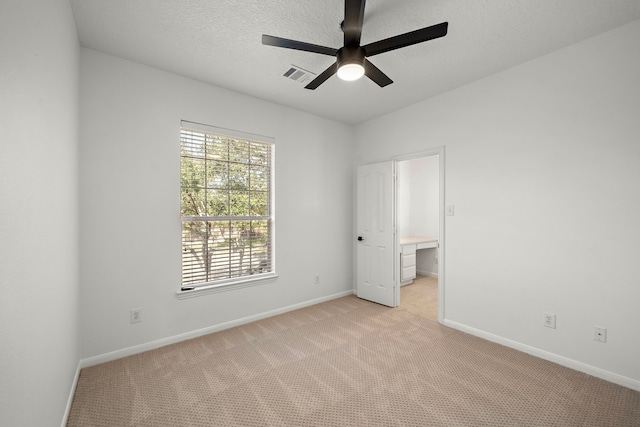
[{"x": 226, "y": 205}]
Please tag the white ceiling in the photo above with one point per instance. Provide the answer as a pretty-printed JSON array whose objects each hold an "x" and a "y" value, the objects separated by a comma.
[{"x": 219, "y": 42}]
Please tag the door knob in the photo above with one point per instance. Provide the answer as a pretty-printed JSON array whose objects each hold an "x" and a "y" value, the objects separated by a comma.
[{"x": 360, "y": 239}]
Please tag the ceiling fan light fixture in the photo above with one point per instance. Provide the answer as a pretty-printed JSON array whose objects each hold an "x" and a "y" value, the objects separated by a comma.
[
  {"x": 350, "y": 72},
  {"x": 350, "y": 63}
]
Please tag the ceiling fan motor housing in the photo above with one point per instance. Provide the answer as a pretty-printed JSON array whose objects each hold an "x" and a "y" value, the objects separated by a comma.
[{"x": 351, "y": 55}]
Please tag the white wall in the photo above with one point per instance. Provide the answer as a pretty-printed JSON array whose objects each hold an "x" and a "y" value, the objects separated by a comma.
[
  {"x": 418, "y": 197},
  {"x": 542, "y": 165},
  {"x": 39, "y": 347},
  {"x": 129, "y": 195},
  {"x": 403, "y": 198}
]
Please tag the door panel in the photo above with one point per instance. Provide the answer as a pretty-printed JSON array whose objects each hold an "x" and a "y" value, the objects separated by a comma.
[{"x": 376, "y": 260}]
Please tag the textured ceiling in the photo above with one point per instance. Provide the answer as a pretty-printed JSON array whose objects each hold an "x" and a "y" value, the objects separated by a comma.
[{"x": 219, "y": 42}]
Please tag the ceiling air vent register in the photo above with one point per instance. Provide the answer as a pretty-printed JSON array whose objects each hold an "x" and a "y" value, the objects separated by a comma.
[{"x": 298, "y": 74}]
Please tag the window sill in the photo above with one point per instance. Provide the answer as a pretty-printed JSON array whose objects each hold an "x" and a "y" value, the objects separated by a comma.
[{"x": 229, "y": 286}]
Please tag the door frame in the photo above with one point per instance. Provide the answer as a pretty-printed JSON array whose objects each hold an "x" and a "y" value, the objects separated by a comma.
[{"x": 440, "y": 152}]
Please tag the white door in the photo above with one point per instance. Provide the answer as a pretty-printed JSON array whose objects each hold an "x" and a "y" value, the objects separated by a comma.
[{"x": 376, "y": 254}]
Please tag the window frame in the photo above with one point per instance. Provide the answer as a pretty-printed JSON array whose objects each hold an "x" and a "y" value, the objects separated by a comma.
[{"x": 187, "y": 290}]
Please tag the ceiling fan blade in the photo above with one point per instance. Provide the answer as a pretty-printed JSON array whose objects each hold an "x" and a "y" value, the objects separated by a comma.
[
  {"x": 407, "y": 39},
  {"x": 293, "y": 44},
  {"x": 323, "y": 76},
  {"x": 353, "y": 19},
  {"x": 375, "y": 74}
]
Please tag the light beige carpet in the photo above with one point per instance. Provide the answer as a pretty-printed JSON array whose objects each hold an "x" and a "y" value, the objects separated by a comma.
[
  {"x": 346, "y": 362},
  {"x": 421, "y": 297}
]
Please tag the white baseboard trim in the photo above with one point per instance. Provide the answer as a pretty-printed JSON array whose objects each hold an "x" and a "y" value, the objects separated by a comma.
[
  {"x": 72, "y": 392},
  {"x": 427, "y": 273},
  {"x": 129, "y": 351},
  {"x": 552, "y": 357}
]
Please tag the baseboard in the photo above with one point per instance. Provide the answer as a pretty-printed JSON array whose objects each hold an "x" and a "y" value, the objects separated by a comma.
[
  {"x": 129, "y": 351},
  {"x": 427, "y": 273},
  {"x": 72, "y": 392},
  {"x": 552, "y": 357}
]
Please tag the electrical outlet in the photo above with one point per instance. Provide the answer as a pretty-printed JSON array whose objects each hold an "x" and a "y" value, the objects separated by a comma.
[
  {"x": 136, "y": 315},
  {"x": 599, "y": 333},
  {"x": 549, "y": 320},
  {"x": 317, "y": 279}
]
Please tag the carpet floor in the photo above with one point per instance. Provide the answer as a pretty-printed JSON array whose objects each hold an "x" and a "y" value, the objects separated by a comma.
[
  {"x": 421, "y": 297},
  {"x": 345, "y": 362}
]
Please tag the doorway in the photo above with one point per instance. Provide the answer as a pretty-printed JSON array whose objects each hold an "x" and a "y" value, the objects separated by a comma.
[
  {"x": 384, "y": 260},
  {"x": 420, "y": 232}
]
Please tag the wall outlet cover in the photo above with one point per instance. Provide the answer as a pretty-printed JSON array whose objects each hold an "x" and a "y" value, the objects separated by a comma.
[
  {"x": 599, "y": 333},
  {"x": 549, "y": 320},
  {"x": 136, "y": 315}
]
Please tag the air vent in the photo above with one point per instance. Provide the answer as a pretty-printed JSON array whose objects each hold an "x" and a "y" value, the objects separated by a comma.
[{"x": 299, "y": 75}]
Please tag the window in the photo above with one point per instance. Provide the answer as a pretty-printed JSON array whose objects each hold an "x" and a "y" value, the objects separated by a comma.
[{"x": 226, "y": 206}]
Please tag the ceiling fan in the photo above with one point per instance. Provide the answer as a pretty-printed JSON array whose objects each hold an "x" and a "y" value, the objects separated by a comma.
[{"x": 352, "y": 62}]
